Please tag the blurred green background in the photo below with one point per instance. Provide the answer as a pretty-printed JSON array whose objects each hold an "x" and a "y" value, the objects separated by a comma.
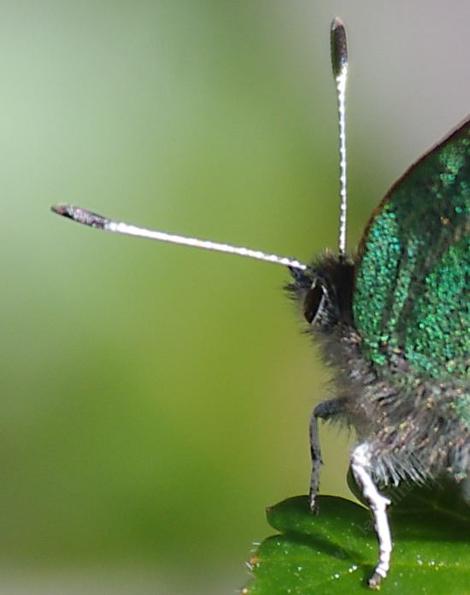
[{"x": 155, "y": 399}]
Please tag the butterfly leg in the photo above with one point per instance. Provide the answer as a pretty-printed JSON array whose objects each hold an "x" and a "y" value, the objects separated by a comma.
[
  {"x": 324, "y": 410},
  {"x": 360, "y": 467}
]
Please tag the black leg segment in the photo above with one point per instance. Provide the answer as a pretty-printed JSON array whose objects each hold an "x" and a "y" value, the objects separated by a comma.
[{"x": 324, "y": 410}]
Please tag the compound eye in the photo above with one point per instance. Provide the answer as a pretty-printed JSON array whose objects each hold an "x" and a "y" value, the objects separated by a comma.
[{"x": 314, "y": 302}]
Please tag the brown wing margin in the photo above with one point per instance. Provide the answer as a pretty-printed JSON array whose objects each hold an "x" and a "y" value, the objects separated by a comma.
[{"x": 464, "y": 124}]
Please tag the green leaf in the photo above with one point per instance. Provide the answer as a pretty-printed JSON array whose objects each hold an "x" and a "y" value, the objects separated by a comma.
[{"x": 335, "y": 551}]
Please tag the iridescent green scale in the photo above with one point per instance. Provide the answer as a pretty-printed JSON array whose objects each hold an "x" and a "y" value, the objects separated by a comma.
[{"x": 412, "y": 280}]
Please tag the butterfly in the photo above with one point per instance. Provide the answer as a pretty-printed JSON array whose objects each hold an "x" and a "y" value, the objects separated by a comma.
[{"x": 392, "y": 320}]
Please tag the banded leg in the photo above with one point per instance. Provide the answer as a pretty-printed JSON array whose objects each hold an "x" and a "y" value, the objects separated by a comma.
[
  {"x": 360, "y": 466},
  {"x": 324, "y": 410}
]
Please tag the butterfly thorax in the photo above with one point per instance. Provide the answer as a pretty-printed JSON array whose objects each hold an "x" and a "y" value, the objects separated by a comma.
[{"x": 414, "y": 422}]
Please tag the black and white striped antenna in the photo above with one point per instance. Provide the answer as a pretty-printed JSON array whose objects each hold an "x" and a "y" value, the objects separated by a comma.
[
  {"x": 339, "y": 62},
  {"x": 91, "y": 219},
  {"x": 339, "y": 57}
]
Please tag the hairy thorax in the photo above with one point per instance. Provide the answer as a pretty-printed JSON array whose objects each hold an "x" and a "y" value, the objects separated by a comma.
[{"x": 413, "y": 423}]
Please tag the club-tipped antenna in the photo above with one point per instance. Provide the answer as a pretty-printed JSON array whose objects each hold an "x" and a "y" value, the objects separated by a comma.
[
  {"x": 339, "y": 62},
  {"x": 91, "y": 219}
]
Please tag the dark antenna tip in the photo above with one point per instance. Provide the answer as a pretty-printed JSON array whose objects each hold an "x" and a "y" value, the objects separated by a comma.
[
  {"x": 339, "y": 47},
  {"x": 63, "y": 210},
  {"x": 80, "y": 215}
]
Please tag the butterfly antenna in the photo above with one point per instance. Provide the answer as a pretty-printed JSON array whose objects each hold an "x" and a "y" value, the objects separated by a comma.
[
  {"x": 91, "y": 219},
  {"x": 339, "y": 62}
]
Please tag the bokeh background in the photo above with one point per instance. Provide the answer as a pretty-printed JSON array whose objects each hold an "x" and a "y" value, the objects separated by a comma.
[{"x": 155, "y": 399}]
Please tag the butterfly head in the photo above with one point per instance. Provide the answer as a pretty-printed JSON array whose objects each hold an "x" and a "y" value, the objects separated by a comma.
[{"x": 324, "y": 292}]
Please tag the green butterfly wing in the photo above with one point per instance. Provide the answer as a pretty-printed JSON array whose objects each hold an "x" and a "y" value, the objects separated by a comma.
[{"x": 412, "y": 277}]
